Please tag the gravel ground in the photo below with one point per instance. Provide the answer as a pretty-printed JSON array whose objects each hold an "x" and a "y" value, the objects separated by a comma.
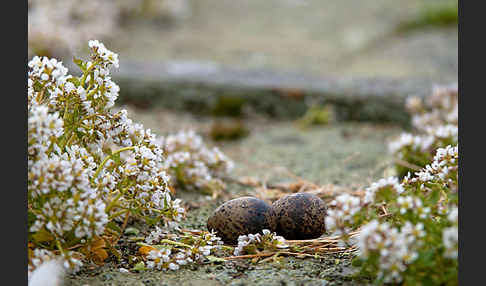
[{"x": 345, "y": 154}]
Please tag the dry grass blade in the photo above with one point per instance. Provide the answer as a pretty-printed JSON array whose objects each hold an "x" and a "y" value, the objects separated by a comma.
[
  {"x": 307, "y": 248},
  {"x": 407, "y": 165}
]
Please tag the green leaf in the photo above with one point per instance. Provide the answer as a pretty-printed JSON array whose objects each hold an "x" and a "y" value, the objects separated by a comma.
[
  {"x": 37, "y": 86},
  {"x": 80, "y": 64},
  {"x": 74, "y": 80},
  {"x": 143, "y": 244},
  {"x": 356, "y": 262},
  {"x": 131, "y": 231},
  {"x": 31, "y": 217},
  {"x": 114, "y": 226},
  {"x": 79, "y": 133},
  {"x": 135, "y": 212},
  {"x": 136, "y": 238},
  {"x": 212, "y": 258},
  {"x": 43, "y": 235},
  {"x": 139, "y": 266},
  {"x": 116, "y": 158},
  {"x": 426, "y": 258},
  {"x": 434, "y": 196},
  {"x": 151, "y": 221}
]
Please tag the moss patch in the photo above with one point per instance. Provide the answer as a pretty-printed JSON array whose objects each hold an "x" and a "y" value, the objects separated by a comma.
[{"x": 433, "y": 16}]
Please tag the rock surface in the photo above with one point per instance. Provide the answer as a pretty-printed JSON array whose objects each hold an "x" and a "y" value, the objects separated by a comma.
[
  {"x": 349, "y": 38},
  {"x": 346, "y": 154}
]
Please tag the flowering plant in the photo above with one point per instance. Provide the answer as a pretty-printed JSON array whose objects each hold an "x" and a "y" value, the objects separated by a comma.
[
  {"x": 409, "y": 227},
  {"x": 194, "y": 165},
  {"x": 408, "y": 230},
  {"x": 90, "y": 168},
  {"x": 165, "y": 251},
  {"x": 435, "y": 122},
  {"x": 254, "y": 243}
]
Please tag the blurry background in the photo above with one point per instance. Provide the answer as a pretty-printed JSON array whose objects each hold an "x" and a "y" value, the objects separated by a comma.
[
  {"x": 373, "y": 38},
  {"x": 228, "y": 68}
]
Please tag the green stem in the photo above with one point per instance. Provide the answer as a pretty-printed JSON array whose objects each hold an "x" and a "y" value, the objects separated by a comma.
[
  {"x": 175, "y": 243},
  {"x": 117, "y": 214},
  {"x": 58, "y": 244},
  {"x": 69, "y": 141},
  {"x": 64, "y": 116},
  {"x": 40, "y": 95},
  {"x": 112, "y": 204},
  {"x": 87, "y": 117},
  {"x": 100, "y": 167},
  {"x": 227, "y": 247},
  {"x": 91, "y": 93},
  {"x": 85, "y": 75}
]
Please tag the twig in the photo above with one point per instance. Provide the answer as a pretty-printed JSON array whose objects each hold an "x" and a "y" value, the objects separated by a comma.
[
  {"x": 407, "y": 164},
  {"x": 75, "y": 246},
  {"x": 250, "y": 255},
  {"x": 336, "y": 249},
  {"x": 122, "y": 228}
]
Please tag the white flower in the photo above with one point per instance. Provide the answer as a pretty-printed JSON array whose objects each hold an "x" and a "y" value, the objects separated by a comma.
[
  {"x": 198, "y": 165},
  {"x": 69, "y": 87},
  {"x": 339, "y": 219},
  {"x": 453, "y": 215},
  {"x": 390, "y": 182},
  {"x": 396, "y": 248},
  {"x": 450, "y": 238},
  {"x": 106, "y": 55},
  {"x": 439, "y": 169},
  {"x": 267, "y": 240}
]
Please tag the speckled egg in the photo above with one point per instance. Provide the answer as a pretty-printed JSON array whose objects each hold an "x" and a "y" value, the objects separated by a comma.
[
  {"x": 300, "y": 216},
  {"x": 241, "y": 216}
]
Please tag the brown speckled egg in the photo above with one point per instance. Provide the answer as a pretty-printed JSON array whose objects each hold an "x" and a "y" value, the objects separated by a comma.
[
  {"x": 241, "y": 216},
  {"x": 300, "y": 216}
]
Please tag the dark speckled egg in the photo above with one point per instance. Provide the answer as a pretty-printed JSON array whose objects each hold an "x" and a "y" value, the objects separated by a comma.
[
  {"x": 300, "y": 216},
  {"x": 241, "y": 216}
]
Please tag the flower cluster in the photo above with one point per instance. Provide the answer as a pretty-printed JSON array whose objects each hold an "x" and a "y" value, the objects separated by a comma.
[
  {"x": 407, "y": 228},
  {"x": 88, "y": 166},
  {"x": 412, "y": 204},
  {"x": 450, "y": 235},
  {"x": 435, "y": 120},
  {"x": 161, "y": 259},
  {"x": 394, "y": 248},
  {"x": 253, "y": 243},
  {"x": 443, "y": 167},
  {"x": 438, "y": 109},
  {"x": 340, "y": 217},
  {"x": 192, "y": 163},
  {"x": 383, "y": 187},
  {"x": 185, "y": 249}
]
